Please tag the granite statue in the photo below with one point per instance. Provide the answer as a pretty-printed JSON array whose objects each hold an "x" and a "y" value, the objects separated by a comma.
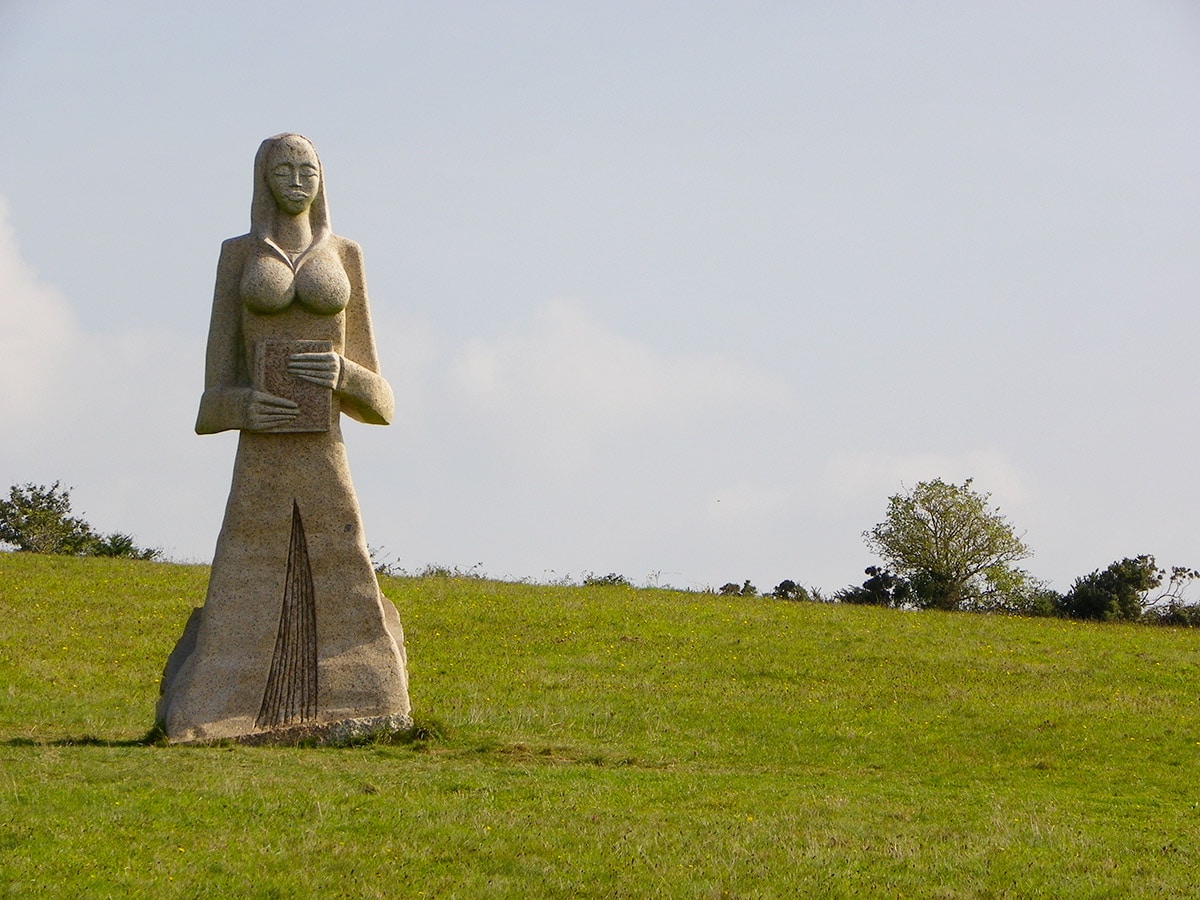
[{"x": 294, "y": 633}]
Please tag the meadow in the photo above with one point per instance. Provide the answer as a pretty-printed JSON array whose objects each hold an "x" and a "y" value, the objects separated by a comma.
[{"x": 610, "y": 742}]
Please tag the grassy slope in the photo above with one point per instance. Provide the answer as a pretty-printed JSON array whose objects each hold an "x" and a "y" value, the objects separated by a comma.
[{"x": 612, "y": 742}]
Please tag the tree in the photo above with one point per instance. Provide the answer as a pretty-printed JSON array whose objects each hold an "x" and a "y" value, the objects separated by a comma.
[
  {"x": 955, "y": 551},
  {"x": 37, "y": 519}
]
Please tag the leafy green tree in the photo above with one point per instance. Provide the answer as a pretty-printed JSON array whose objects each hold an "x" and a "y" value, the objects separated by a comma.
[
  {"x": 37, "y": 519},
  {"x": 955, "y": 551}
]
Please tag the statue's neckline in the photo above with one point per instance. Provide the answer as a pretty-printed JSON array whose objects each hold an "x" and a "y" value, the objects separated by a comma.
[{"x": 292, "y": 257}]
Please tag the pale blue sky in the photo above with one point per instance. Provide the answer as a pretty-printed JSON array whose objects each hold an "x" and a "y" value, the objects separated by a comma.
[{"x": 661, "y": 287}]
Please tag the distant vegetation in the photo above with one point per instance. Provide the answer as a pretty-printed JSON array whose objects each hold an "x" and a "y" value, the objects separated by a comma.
[
  {"x": 37, "y": 519},
  {"x": 942, "y": 547},
  {"x": 612, "y": 579}
]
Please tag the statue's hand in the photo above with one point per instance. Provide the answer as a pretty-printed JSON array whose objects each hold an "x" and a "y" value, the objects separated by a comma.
[
  {"x": 267, "y": 411},
  {"x": 319, "y": 368}
]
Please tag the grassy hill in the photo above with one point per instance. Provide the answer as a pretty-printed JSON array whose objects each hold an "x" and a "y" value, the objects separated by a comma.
[{"x": 609, "y": 742}]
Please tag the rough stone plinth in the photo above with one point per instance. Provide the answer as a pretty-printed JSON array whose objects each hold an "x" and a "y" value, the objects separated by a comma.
[{"x": 334, "y": 734}]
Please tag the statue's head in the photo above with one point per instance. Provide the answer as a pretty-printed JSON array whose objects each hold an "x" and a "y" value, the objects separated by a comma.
[
  {"x": 293, "y": 173},
  {"x": 288, "y": 181}
]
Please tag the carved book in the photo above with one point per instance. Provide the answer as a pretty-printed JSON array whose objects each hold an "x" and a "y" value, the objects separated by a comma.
[{"x": 271, "y": 376}]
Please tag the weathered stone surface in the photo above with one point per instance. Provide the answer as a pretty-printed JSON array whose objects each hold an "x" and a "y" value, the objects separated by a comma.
[
  {"x": 294, "y": 631},
  {"x": 339, "y": 733}
]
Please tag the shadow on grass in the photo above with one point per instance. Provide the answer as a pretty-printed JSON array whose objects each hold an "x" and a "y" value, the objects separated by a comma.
[
  {"x": 422, "y": 737},
  {"x": 152, "y": 738},
  {"x": 420, "y": 733}
]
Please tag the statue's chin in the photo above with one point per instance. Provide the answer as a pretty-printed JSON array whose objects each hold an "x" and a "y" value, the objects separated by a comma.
[{"x": 293, "y": 206}]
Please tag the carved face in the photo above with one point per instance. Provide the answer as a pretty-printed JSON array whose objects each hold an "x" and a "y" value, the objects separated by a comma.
[{"x": 294, "y": 175}]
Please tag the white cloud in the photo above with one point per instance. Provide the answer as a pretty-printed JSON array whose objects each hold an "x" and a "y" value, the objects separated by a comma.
[
  {"x": 107, "y": 415},
  {"x": 567, "y": 388},
  {"x": 40, "y": 334}
]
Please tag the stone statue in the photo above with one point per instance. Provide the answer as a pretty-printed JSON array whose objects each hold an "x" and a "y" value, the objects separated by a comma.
[{"x": 294, "y": 632}]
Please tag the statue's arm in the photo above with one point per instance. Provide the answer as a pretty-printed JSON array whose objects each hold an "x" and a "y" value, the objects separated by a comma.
[
  {"x": 364, "y": 393},
  {"x": 229, "y": 401}
]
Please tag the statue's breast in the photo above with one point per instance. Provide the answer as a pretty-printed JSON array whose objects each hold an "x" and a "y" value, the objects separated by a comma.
[
  {"x": 321, "y": 283},
  {"x": 269, "y": 284}
]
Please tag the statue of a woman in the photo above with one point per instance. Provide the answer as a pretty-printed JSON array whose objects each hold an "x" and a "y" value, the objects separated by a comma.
[{"x": 294, "y": 630}]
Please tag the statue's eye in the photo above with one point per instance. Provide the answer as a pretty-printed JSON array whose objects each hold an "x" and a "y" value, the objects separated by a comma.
[
  {"x": 283, "y": 170},
  {"x": 308, "y": 171}
]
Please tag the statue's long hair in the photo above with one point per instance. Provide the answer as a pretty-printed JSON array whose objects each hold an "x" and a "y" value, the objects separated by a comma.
[{"x": 264, "y": 211}]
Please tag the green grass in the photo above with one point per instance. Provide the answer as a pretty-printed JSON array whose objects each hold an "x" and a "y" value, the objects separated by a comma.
[{"x": 611, "y": 742}]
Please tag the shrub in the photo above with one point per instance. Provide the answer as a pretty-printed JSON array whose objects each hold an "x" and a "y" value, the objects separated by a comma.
[
  {"x": 789, "y": 590},
  {"x": 612, "y": 579},
  {"x": 882, "y": 588},
  {"x": 1175, "y": 614},
  {"x": 934, "y": 590},
  {"x": 1040, "y": 601},
  {"x": 1114, "y": 594},
  {"x": 432, "y": 570},
  {"x": 730, "y": 589}
]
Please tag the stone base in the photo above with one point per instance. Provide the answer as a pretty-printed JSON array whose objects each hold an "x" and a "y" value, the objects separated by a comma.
[{"x": 320, "y": 735}]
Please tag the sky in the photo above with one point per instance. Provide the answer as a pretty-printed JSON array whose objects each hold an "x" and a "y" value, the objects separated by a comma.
[{"x": 682, "y": 291}]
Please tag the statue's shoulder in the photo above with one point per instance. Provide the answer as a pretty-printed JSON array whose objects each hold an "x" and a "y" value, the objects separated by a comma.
[
  {"x": 237, "y": 247},
  {"x": 351, "y": 256},
  {"x": 346, "y": 248}
]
